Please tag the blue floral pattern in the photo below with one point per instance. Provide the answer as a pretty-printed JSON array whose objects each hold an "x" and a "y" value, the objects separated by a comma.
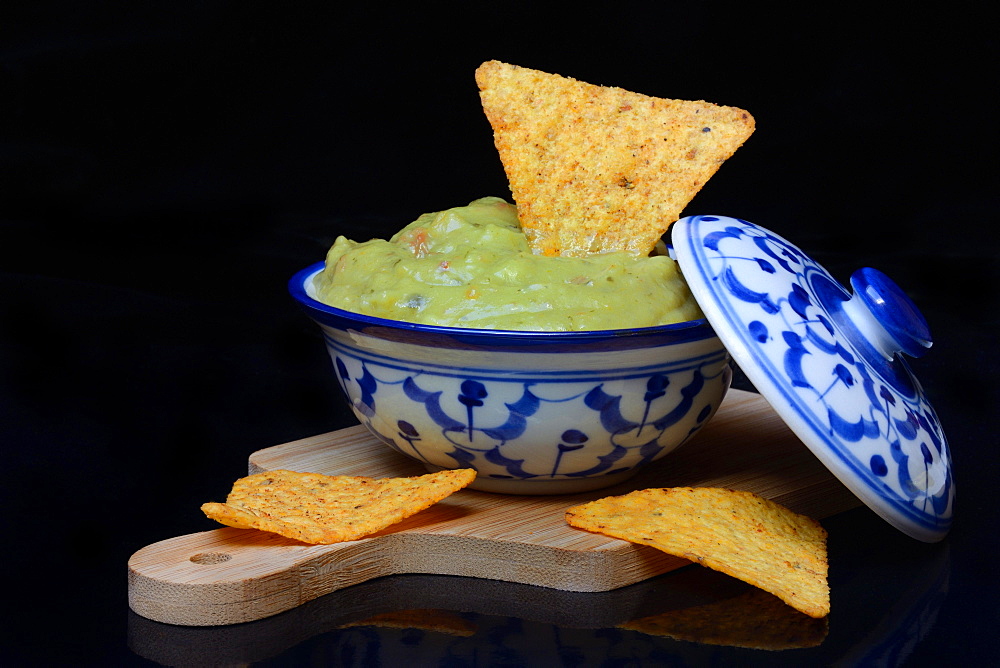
[
  {"x": 785, "y": 321},
  {"x": 574, "y": 424}
]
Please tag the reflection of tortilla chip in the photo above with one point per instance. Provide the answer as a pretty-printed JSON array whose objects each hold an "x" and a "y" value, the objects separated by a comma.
[
  {"x": 755, "y": 620},
  {"x": 438, "y": 621},
  {"x": 738, "y": 533},
  {"x": 596, "y": 169},
  {"x": 323, "y": 509}
]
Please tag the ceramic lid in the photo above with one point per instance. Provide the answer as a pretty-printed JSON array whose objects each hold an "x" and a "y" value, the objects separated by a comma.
[{"x": 828, "y": 363}]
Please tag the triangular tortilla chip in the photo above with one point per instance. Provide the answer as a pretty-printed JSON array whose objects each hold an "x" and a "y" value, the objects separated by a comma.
[
  {"x": 735, "y": 532},
  {"x": 595, "y": 169},
  {"x": 322, "y": 509}
]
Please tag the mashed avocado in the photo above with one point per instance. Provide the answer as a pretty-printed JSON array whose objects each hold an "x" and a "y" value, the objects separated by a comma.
[{"x": 471, "y": 267}]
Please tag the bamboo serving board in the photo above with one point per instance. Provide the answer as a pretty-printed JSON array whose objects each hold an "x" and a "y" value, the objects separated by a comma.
[{"x": 227, "y": 576}]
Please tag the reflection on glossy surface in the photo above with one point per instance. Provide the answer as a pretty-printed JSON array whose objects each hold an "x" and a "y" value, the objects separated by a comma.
[
  {"x": 911, "y": 612},
  {"x": 490, "y": 605},
  {"x": 753, "y": 619},
  {"x": 431, "y": 620}
]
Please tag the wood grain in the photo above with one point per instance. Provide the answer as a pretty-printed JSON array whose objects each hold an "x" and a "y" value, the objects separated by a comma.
[{"x": 226, "y": 576}]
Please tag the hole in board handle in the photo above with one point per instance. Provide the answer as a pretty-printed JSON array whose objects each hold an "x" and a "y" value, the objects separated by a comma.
[{"x": 208, "y": 558}]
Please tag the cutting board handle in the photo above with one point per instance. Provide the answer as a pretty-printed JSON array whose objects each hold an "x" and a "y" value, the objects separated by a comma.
[{"x": 227, "y": 576}]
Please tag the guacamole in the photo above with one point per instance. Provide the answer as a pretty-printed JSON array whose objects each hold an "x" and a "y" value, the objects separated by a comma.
[{"x": 471, "y": 267}]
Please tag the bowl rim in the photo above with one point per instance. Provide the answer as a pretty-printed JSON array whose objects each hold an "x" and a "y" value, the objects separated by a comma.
[{"x": 296, "y": 286}]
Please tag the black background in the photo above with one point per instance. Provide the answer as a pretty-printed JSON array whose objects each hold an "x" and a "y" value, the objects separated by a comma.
[{"x": 164, "y": 170}]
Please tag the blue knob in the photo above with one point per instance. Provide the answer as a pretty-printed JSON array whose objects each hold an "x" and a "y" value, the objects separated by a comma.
[{"x": 895, "y": 313}]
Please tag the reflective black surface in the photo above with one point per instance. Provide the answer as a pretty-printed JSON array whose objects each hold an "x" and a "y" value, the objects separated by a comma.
[{"x": 164, "y": 172}]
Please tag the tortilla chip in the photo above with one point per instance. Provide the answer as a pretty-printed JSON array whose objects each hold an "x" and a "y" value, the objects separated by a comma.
[
  {"x": 438, "y": 621},
  {"x": 321, "y": 509},
  {"x": 754, "y": 620},
  {"x": 737, "y": 533},
  {"x": 595, "y": 169}
]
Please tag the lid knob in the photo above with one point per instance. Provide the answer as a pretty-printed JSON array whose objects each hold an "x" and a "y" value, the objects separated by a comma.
[{"x": 886, "y": 316}]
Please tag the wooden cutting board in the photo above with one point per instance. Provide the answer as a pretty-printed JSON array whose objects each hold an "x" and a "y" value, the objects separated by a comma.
[{"x": 227, "y": 575}]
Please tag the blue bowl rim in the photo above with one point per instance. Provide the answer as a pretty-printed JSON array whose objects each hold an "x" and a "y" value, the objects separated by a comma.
[{"x": 693, "y": 329}]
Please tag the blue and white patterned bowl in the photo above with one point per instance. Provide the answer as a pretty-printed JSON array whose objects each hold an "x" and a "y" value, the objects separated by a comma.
[{"x": 531, "y": 412}]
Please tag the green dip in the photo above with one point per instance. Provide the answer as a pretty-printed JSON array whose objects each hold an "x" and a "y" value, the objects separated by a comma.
[{"x": 471, "y": 267}]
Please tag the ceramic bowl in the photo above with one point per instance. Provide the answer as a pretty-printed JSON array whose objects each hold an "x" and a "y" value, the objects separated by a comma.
[{"x": 531, "y": 412}]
